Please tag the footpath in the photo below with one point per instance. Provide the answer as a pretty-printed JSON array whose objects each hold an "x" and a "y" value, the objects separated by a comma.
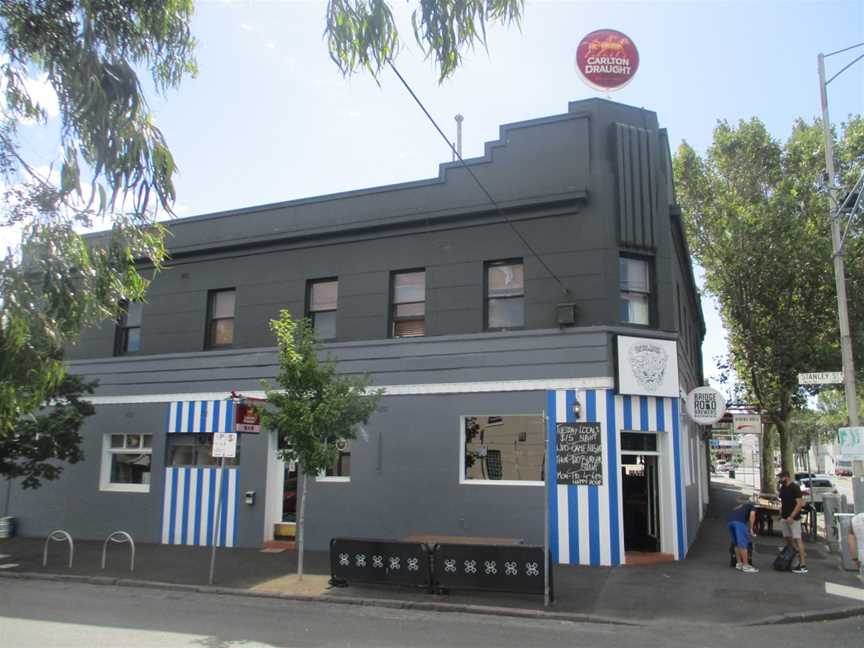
[{"x": 702, "y": 589}]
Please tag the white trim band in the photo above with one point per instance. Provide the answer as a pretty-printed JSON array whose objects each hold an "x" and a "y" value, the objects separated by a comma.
[{"x": 543, "y": 384}]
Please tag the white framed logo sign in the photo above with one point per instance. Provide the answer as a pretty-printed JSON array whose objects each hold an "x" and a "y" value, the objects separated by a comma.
[
  {"x": 647, "y": 367},
  {"x": 705, "y": 405}
]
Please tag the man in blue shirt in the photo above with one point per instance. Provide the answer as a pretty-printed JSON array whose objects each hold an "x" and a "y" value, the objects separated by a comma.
[{"x": 739, "y": 521}]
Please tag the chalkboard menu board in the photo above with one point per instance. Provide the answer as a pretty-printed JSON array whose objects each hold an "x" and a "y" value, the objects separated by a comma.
[{"x": 579, "y": 454}]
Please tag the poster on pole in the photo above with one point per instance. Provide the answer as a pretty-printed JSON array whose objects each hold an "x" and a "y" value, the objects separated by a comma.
[
  {"x": 225, "y": 444},
  {"x": 851, "y": 442},
  {"x": 579, "y": 454}
]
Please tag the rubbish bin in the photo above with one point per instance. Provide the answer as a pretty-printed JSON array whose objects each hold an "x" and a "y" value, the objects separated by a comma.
[
  {"x": 7, "y": 526},
  {"x": 731, "y": 473}
]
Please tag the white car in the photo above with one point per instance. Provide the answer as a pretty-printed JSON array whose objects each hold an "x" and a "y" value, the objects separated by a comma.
[{"x": 814, "y": 488}]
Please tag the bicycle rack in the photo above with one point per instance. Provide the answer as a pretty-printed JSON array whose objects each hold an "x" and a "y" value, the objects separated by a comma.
[
  {"x": 58, "y": 535},
  {"x": 120, "y": 537}
]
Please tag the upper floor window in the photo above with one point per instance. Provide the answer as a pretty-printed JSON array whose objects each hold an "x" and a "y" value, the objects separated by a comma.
[
  {"x": 409, "y": 304},
  {"x": 129, "y": 329},
  {"x": 322, "y": 300},
  {"x": 505, "y": 294},
  {"x": 220, "y": 318},
  {"x": 635, "y": 285}
]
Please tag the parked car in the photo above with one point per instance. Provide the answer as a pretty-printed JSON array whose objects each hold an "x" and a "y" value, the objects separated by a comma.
[
  {"x": 723, "y": 467},
  {"x": 843, "y": 469},
  {"x": 804, "y": 475},
  {"x": 817, "y": 486}
]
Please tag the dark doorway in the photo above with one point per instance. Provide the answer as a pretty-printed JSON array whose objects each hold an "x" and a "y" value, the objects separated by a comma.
[
  {"x": 289, "y": 494},
  {"x": 640, "y": 486}
]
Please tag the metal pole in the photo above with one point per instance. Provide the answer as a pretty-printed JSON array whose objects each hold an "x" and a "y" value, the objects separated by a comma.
[
  {"x": 840, "y": 280},
  {"x": 546, "y": 482},
  {"x": 216, "y": 527}
]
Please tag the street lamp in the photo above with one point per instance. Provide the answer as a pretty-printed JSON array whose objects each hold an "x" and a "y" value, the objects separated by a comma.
[{"x": 834, "y": 214}]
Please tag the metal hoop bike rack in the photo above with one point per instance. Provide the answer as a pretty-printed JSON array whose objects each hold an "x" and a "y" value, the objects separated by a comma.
[
  {"x": 58, "y": 535},
  {"x": 120, "y": 537}
]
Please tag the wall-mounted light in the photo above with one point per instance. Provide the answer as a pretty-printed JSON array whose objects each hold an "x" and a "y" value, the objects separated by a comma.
[{"x": 576, "y": 409}]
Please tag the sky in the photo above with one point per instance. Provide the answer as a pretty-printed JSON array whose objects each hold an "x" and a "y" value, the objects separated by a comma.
[{"x": 270, "y": 118}]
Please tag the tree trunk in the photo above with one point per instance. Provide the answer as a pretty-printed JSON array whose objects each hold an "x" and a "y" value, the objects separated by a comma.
[
  {"x": 787, "y": 459},
  {"x": 767, "y": 477},
  {"x": 301, "y": 526}
]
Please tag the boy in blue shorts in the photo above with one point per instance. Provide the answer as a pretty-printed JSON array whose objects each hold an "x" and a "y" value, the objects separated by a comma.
[{"x": 739, "y": 521}]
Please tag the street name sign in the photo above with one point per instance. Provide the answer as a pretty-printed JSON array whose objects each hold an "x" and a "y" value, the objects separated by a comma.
[
  {"x": 225, "y": 444},
  {"x": 851, "y": 442},
  {"x": 821, "y": 378},
  {"x": 747, "y": 423}
]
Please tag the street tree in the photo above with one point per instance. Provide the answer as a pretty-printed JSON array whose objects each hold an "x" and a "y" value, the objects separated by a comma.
[
  {"x": 46, "y": 439},
  {"x": 756, "y": 216},
  {"x": 313, "y": 409},
  {"x": 69, "y": 70},
  {"x": 363, "y": 34}
]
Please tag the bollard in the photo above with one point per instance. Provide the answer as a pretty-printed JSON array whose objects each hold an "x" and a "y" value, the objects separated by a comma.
[
  {"x": 830, "y": 506},
  {"x": 844, "y": 525}
]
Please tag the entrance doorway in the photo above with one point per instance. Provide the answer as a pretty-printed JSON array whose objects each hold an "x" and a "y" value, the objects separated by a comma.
[
  {"x": 289, "y": 493},
  {"x": 640, "y": 488}
]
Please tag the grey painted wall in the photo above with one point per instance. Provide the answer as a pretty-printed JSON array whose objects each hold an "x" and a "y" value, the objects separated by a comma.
[
  {"x": 75, "y": 503},
  {"x": 417, "y": 489}
]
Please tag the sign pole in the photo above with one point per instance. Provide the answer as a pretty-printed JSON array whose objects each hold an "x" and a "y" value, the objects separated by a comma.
[
  {"x": 548, "y": 562},
  {"x": 218, "y": 519}
]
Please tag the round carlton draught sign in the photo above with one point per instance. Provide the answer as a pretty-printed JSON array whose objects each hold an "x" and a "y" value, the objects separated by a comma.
[{"x": 607, "y": 59}]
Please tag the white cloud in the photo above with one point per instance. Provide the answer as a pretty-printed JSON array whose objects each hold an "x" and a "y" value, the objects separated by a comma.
[
  {"x": 354, "y": 114},
  {"x": 246, "y": 27},
  {"x": 270, "y": 45}
]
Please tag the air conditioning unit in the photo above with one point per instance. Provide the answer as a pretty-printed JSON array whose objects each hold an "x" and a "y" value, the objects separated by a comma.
[{"x": 566, "y": 314}]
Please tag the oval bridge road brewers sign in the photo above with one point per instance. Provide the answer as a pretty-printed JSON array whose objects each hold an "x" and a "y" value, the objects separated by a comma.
[
  {"x": 607, "y": 59},
  {"x": 705, "y": 405}
]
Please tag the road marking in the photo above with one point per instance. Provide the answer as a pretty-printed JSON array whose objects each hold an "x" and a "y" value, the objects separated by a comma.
[
  {"x": 5, "y": 556},
  {"x": 844, "y": 590},
  {"x": 8, "y": 565}
]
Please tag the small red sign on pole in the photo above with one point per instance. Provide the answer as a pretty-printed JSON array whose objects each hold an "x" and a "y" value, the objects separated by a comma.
[
  {"x": 607, "y": 59},
  {"x": 246, "y": 419}
]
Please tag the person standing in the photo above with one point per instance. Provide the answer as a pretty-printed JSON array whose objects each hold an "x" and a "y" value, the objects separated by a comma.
[
  {"x": 791, "y": 503},
  {"x": 740, "y": 521}
]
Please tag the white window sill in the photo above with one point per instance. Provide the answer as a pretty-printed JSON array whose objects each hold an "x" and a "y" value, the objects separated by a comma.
[
  {"x": 333, "y": 480},
  {"x": 498, "y": 482},
  {"x": 125, "y": 488}
]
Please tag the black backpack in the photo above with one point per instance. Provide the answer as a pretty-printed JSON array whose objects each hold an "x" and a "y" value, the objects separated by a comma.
[{"x": 787, "y": 560}]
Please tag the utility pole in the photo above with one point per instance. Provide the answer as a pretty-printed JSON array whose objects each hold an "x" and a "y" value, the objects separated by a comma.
[{"x": 839, "y": 273}]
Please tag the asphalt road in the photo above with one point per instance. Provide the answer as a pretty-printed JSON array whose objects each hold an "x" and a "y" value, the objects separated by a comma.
[{"x": 45, "y": 613}]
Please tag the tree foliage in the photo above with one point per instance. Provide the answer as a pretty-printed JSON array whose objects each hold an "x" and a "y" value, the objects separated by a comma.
[
  {"x": 312, "y": 407},
  {"x": 756, "y": 212},
  {"x": 362, "y": 34},
  {"x": 113, "y": 164},
  {"x": 44, "y": 438}
]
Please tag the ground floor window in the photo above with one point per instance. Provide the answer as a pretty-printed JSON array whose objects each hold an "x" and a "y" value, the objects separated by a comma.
[
  {"x": 340, "y": 469},
  {"x": 126, "y": 462},
  {"x": 503, "y": 449},
  {"x": 195, "y": 450}
]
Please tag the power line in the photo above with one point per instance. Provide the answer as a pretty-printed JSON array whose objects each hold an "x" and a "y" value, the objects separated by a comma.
[{"x": 477, "y": 180}]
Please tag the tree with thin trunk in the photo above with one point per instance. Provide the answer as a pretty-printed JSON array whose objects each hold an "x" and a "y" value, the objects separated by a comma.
[
  {"x": 311, "y": 408},
  {"x": 756, "y": 212}
]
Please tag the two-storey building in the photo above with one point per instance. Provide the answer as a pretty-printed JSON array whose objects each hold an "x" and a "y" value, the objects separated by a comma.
[{"x": 484, "y": 324}]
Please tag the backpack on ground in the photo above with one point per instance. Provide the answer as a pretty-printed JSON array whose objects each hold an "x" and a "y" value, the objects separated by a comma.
[{"x": 787, "y": 560}]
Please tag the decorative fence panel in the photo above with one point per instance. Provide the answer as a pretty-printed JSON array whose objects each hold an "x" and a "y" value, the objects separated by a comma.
[
  {"x": 500, "y": 568},
  {"x": 379, "y": 561}
]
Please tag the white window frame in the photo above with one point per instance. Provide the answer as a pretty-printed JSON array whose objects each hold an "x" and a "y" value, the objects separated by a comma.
[
  {"x": 336, "y": 479},
  {"x": 108, "y": 452},
  {"x": 487, "y": 482}
]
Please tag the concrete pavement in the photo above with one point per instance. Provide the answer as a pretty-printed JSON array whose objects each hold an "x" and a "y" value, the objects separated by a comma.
[{"x": 701, "y": 589}]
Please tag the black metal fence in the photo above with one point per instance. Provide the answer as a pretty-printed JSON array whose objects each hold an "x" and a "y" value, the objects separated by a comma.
[
  {"x": 440, "y": 567},
  {"x": 500, "y": 568},
  {"x": 379, "y": 561}
]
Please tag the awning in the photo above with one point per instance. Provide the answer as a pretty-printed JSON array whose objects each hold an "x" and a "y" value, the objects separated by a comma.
[{"x": 197, "y": 417}]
